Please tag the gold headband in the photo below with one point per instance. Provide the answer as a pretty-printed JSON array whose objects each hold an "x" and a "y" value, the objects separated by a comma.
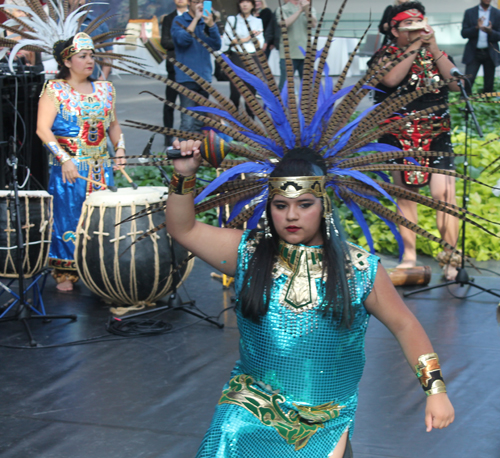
[
  {"x": 81, "y": 41},
  {"x": 293, "y": 187}
]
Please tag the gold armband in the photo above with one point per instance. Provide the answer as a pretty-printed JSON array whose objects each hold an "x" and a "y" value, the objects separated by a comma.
[
  {"x": 181, "y": 185},
  {"x": 428, "y": 371},
  {"x": 60, "y": 155},
  {"x": 120, "y": 143}
]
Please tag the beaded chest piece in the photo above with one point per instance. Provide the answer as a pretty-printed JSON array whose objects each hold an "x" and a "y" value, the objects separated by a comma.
[{"x": 92, "y": 113}]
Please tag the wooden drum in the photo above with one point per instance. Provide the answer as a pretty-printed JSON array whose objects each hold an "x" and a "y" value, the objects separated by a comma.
[
  {"x": 36, "y": 222},
  {"x": 418, "y": 275},
  {"x": 106, "y": 260}
]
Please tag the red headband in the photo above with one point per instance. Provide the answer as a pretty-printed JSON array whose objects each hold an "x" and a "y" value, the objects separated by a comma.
[{"x": 408, "y": 14}]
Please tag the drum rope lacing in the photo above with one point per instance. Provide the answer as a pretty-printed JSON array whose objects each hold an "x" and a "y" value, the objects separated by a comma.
[
  {"x": 115, "y": 289},
  {"x": 45, "y": 230}
]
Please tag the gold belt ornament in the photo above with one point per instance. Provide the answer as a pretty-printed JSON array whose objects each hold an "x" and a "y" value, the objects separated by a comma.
[{"x": 295, "y": 427}]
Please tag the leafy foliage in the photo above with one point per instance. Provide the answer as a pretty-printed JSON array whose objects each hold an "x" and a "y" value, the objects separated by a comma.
[{"x": 483, "y": 200}]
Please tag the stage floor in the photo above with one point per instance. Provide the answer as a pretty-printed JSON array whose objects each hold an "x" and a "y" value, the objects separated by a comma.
[{"x": 154, "y": 396}]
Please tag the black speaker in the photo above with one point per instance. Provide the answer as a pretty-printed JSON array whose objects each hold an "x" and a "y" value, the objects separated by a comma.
[{"x": 27, "y": 83}]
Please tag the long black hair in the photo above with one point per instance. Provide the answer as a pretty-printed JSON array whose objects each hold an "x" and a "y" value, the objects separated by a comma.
[{"x": 257, "y": 284}]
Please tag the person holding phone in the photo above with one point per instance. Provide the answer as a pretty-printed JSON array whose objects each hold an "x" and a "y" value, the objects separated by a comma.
[
  {"x": 193, "y": 55},
  {"x": 237, "y": 40}
]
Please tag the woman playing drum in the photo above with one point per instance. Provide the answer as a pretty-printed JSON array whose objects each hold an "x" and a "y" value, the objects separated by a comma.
[
  {"x": 304, "y": 298},
  {"x": 74, "y": 114}
]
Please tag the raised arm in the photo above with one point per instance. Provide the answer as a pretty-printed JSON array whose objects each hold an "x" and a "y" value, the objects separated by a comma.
[
  {"x": 387, "y": 306},
  {"x": 216, "y": 246}
]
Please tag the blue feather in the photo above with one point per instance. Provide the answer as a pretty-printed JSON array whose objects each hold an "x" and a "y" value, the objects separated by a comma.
[
  {"x": 383, "y": 175},
  {"x": 238, "y": 207},
  {"x": 221, "y": 113},
  {"x": 284, "y": 94},
  {"x": 344, "y": 134},
  {"x": 273, "y": 104},
  {"x": 363, "y": 178},
  {"x": 259, "y": 209},
  {"x": 312, "y": 129},
  {"x": 358, "y": 214},
  {"x": 264, "y": 141},
  {"x": 397, "y": 235},
  {"x": 372, "y": 88},
  {"x": 388, "y": 223},
  {"x": 247, "y": 167}
]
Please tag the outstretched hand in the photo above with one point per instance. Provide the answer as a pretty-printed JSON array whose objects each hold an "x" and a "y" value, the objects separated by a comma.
[
  {"x": 439, "y": 412},
  {"x": 187, "y": 166}
]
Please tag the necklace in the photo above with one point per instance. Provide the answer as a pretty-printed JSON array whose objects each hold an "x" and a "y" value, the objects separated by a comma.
[{"x": 302, "y": 265}]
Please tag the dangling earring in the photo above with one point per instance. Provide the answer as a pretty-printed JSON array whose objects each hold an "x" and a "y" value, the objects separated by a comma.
[
  {"x": 328, "y": 221},
  {"x": 332, "y": 222},
  {"x": 327, "y": 215},
  {"x": 267, "y": 229}
]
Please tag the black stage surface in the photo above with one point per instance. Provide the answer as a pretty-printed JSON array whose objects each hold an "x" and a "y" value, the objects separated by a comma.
[{"x": 154, "y": 397}]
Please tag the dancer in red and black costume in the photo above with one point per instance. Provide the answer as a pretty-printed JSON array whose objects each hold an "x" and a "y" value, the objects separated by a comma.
[{"x": 430, "y": 133}]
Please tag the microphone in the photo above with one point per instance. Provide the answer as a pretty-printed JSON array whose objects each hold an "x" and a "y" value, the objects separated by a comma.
[
  {"x": 456, "y": 73},
  {"x": 213, "y": 149},
  {"x": 147, "y": 149}
]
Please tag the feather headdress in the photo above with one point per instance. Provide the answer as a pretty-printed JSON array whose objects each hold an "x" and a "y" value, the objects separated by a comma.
[
  {"x": 323, "y": 119},
  {"x": 40, "y": 31}
]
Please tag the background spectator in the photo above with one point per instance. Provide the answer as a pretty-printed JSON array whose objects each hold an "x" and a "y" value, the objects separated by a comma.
[
  {"x": 266, "y": 16},
  {"x": 230, "y": 42},
  {"x": 168, "y": 44},
  {"x": 294, "y": 13},
  {"x": 193, "y": 55},
  {"x": 481, "y": 25}
]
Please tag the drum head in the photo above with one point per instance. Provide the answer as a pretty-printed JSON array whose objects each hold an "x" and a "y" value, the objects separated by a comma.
[
  {"x": 34, "y": 194},
  {"x": 126, "y": 196}
]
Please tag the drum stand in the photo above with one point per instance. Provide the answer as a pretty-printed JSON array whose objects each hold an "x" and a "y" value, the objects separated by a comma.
[
  {"x": 23, "y": 310},
  {"x": 462, "y": 276},
  {"x": 175, "y": 301}
]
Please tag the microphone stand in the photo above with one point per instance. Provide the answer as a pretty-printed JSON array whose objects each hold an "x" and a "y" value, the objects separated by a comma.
[
  {"x": 23, "y": 312},
  {"x": 175, "y": 301},
  {"x": 462, "y": 278}
]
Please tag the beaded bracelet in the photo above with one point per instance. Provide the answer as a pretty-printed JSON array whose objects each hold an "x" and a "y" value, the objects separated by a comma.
[
  {"x": 428, "y": 371},
  {"x": 60, "y": 155},
  {"x": 120, "y": 143},
  {"x": 179, "y": 184}
]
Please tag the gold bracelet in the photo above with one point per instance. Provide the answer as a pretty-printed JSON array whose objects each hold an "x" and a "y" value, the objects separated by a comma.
[
  {"x": 428, "y": 370},
  {"x": 179, "y": 184}
]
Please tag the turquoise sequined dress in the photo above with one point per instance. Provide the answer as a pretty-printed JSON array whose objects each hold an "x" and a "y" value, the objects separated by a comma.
[{"x": 293, "y": 359}]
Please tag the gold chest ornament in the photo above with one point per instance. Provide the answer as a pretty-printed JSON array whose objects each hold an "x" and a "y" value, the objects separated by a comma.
[{"x": 303, "y": 266}]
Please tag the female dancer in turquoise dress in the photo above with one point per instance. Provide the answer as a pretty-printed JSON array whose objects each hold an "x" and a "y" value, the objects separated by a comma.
[
  {"x": 304, "y": 299},
  {"x": 74, "y": 114}
]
